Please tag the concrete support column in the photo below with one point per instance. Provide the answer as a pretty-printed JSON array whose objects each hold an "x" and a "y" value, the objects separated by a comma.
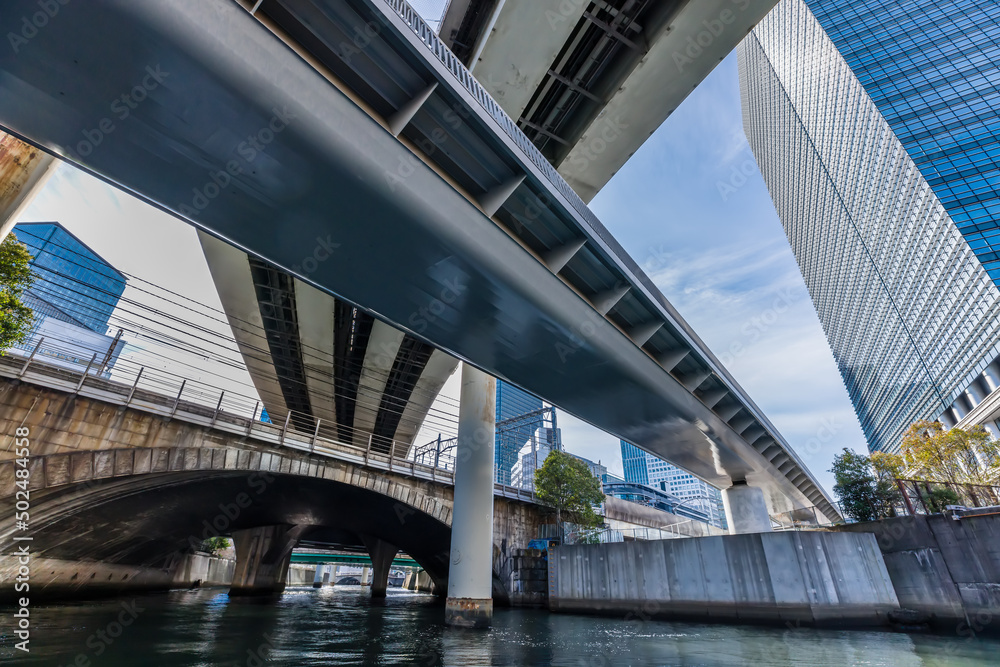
[
  {"x": 975, "y": 393},
  {"x": 24, "y": 170},
  {"x": 381, "y": 553},
  {"x": 470, "y": 575},
  {"x": 262, "y": 558},
  {"x": 746, "y": 511},
  {"x": 324, "y": 573},
  {"x": 992, "y": 376}
]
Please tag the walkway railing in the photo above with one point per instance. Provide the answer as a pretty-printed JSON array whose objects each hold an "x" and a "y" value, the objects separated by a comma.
[
  {"x": 173, "y": 397},
  {"x": 922, "y": 496}
]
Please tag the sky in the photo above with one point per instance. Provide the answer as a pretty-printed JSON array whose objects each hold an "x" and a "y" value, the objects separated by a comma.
[{"x": 690, "y": 207}]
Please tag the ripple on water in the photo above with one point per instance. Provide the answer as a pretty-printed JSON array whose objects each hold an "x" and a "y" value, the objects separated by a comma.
[{"x": 342, "y": 625}]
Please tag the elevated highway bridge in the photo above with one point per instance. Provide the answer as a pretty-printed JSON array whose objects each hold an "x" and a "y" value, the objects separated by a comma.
[
  {"x": 343, "y": 149},
  {"x": 349, "y": 123}
]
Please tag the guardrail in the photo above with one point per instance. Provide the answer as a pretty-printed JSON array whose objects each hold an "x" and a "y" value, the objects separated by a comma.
[
  {"x": 295, "y": 431},
  {"x": 922, "y": 496}
]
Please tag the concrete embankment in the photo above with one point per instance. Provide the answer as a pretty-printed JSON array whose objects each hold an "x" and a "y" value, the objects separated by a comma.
[
  {"x": 55, "y": 579},
  {"x": 947, "y": 567},
  {"x": 812, "y": 578}
]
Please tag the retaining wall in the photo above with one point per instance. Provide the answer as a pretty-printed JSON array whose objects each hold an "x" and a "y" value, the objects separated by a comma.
[
  {"x": 946, "y": 568},
  {"x": 813, "y": 578}
]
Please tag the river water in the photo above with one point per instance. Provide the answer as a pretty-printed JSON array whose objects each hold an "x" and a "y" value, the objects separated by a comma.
[{"x": 342, "y": 626}]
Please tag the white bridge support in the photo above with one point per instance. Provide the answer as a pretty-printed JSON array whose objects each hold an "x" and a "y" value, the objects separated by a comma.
[
  {"x": 746, "y": 511},
  {"x": 470, "y": 576}
]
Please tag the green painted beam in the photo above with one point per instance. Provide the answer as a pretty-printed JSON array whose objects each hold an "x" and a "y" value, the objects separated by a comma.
[{"x": 348, "y": 559}]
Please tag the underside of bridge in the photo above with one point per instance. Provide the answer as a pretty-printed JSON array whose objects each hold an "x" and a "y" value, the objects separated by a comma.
[
  {"x": 322, "y": 358},
  {"x": 346, "y": 122},
  {"x": 150, "y": 521},
  {"x": 589, "y": 82}
]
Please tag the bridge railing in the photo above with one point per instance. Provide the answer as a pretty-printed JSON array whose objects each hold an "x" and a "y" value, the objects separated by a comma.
[
  {"x": 921, "y": 496},
  {"x": 159, "y": 392},
  {"x": 436, "y": 46}
]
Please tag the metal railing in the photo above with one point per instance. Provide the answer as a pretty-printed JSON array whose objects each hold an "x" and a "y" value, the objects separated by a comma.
[
  {"x": 174, "y": 397},
  {"x": 427, "y": 35},
  {"x": 919, "y": 495},
  {"x": 804, "y": 518}
]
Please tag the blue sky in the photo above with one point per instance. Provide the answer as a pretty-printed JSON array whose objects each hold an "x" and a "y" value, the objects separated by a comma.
[
  {"x": 693, "y": 210},
  {"x": 690, "y": 207}
]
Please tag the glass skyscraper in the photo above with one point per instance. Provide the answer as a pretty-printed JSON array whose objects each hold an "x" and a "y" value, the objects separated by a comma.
[
  {"x": 518, "y": 415},
  {"x": 73, "y": 295},
  {"x": 932, "y": 68},
  {"x": 643, "y": 468},
  {"x": 73, "y": 283},
  {"x": 877, "y": 139}
]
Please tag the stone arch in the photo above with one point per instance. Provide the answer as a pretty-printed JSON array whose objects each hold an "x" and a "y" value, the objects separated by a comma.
[{"x": 137, "y": 508}]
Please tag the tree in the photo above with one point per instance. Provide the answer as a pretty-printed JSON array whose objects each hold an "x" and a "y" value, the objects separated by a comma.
[
  {"x": 938, "y": 499},
  {"x": 214, "y": 545},
  {"x": 865, "y": 490},
  {"x": 958, "y": 455},
  {"x": 15, "y": 277},
  {"x": 566, "y": 484}
]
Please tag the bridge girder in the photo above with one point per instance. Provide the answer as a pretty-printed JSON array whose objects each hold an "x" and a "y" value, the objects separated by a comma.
[{"x": 416, "y": 248}]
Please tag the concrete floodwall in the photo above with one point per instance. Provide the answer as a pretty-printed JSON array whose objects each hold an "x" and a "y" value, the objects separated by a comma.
[
  {"x": 945, "y": 567},
  {"x": 207, "y": 570},
  {"x": 301, "y": 575},
  {"x": 813, "y": 578}
]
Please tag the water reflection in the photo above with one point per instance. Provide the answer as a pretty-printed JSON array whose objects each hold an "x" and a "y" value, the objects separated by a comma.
[{"x": 341, "y": 625}]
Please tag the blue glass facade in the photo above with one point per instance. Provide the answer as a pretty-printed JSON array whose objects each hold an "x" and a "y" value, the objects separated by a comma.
[
  {"x": 642, "y": 468},
  {"x": 634, "y": 464},
  {"x": 932, "y": 68},
  {"x": 865, "y": 136},
  {"x": 511, "y": 403},
  {"x": 73, "y": 283}
]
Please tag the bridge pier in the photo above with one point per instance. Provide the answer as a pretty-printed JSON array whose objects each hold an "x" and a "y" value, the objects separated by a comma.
[
  {"x": 324, "y": 575},
  {"x": 262, "y": 558},
  {"x": 746, "y": 511},
  {"x": 381, "y": 553},
  {"x": 470, "y": 576}
]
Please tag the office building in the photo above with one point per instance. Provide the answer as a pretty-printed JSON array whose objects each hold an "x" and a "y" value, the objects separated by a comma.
[
  {"x": 518, "y": 415},
  {"x": 643, "y": 468},
  {"x": 532, "y": 456},
  {"x": 597, "y": 469},
  {"x": 876, "y": 130},
  {"x": 73, "y": 296},
  {"x": 73, "y": 283}
]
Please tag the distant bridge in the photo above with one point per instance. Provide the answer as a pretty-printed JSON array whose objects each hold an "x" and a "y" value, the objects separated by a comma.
[
  {"x": 124, "y": 481},
  {"x": 346, "y": 559}
]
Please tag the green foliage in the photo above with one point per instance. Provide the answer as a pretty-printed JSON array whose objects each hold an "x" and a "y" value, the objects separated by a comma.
[
  {"x": 939, "y": 498},
  {"x": 214, "y": 545},
  {"x": 566, "y": 484},
  {"x": 15, "y": 277},
  {"x": 866, "y": 491},
  {"x": 958, "y": 455}
]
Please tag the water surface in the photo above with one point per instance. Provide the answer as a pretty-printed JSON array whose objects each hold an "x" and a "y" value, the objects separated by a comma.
[{"x": 342, "y": 626}]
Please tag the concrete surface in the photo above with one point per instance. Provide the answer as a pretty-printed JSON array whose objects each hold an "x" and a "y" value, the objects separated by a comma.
[{"x": 812, "y": 578}]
